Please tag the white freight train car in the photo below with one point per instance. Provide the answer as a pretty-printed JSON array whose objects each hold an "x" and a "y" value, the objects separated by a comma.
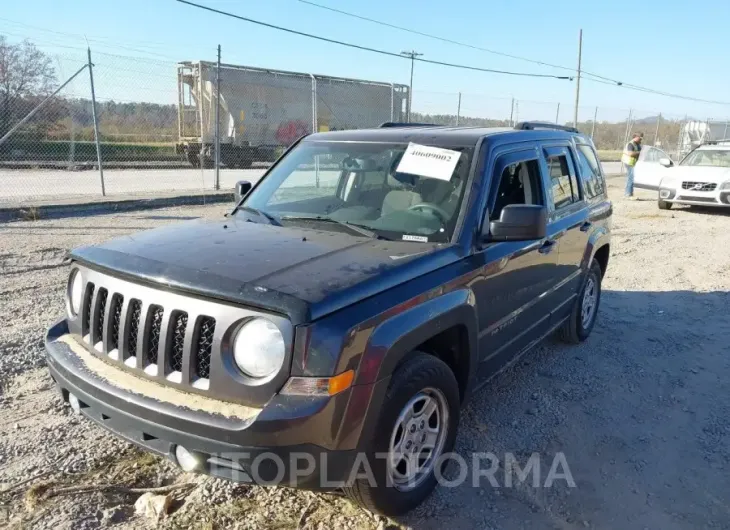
[{"x": 262, "y": 110}]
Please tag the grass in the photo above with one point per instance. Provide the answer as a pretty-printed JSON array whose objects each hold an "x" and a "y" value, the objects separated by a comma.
[{"x": 609, "y": 155}]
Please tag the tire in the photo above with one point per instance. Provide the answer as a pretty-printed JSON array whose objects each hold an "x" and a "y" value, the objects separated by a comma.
[
  {"x": 420, "y": 375},
  {"x": 575, "y": 330},
  {"x": 664, "y": 205}
]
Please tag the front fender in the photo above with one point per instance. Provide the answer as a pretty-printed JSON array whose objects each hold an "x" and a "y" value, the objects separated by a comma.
[{"x": 396, "y": 337}]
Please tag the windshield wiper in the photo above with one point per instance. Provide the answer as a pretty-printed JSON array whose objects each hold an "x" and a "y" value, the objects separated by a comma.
[
  {"x": 352, "y": 226},
  {"x": 273, "y": 220}
]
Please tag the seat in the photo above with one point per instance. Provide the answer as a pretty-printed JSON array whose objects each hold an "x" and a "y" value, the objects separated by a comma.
[{"x": 400, "y": 198}]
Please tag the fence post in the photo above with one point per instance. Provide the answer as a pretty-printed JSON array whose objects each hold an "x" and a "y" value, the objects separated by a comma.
[
  {"x": 458, "y": 111},
  {"x": 217, "y": 184},
  {"x": 392, "y": 101},
  {"x": 314, "y": 126},
  {"x": 314, "y": 103},
  {"x": 593, "y": 127},
  {"x": 96, "y": 122}
]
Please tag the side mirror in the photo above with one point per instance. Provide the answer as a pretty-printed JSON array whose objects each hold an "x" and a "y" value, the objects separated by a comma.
[
  {"x": 666, "y": 162},
  {"x": 517, "y": 222},
  {"x": 242, "y": 188}
]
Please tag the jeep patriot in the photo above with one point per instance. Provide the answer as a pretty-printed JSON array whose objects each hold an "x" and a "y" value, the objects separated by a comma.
[{"x": 327, "y": 331}]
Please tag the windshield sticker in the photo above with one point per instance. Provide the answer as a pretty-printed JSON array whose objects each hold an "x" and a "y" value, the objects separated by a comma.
[
  {"x": 417, "y": 239},
  {"x": 427, "y": 161}
]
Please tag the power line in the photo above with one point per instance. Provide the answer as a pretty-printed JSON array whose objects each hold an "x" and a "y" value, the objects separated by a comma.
[
  {"x": 598, "y": 78},
  {"x": 366, "y": 48},
  {"x": 658, "y": 92},
  {"x": 436, "y": 37}
]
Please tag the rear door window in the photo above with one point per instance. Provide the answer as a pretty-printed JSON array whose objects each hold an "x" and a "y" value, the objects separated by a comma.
[
  {"x": 564, "y": 185},
  {"x": 590, "y": 171}
]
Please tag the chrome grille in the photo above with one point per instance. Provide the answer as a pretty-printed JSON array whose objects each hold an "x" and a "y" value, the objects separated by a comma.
[
  {"x": 175, "y": 357},
  {"x": 170, "y": 337},
  {"x": 699, "y": 186},
  {"x": 204, "y": 346},
  {"x": 152, "y": 337}
]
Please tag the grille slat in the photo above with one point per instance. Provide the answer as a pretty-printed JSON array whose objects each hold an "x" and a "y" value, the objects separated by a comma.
[
  {"x": 204, "y": 346},
  {"x": 86, "y": 321},
  {"x": 99, "y": 315},
  {"x": 152, "y": 337},
  {"x": 135, "y": 309},
  {"x": 176, "y": 347},
  {"x": 699, "y": 186},
  {"x": 116, "y": 316}
]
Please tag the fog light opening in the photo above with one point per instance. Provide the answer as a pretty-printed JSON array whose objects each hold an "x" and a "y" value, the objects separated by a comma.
[
  {"x": 664, "y": 194},
  {"x": 187, "y": 460}
]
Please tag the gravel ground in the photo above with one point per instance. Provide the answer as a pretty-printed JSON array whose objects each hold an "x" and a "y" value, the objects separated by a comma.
[{"x": 640, "y": 410}]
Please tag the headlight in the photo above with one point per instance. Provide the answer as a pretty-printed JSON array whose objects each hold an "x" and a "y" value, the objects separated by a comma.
[
  {"x": 75, "y": 292},
  {"x": 258, "y": 348},
  {"x": 725, "y": 185}
]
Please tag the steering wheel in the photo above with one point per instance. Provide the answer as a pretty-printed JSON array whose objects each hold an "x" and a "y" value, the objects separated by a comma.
[{"x": 440, "y": 212}]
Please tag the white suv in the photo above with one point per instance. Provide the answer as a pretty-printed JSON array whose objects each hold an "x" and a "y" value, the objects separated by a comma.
[{"x": 702, "y": 178}]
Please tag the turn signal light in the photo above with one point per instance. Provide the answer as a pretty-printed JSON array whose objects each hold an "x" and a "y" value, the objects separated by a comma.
[{"x": 319, "y": 386}]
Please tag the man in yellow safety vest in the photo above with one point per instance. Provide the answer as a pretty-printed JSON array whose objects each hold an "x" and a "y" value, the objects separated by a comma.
[{"x": 629, "y": 158}]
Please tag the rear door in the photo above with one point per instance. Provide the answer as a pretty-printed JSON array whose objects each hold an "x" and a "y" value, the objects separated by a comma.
[
  {"x": 648, "y": 172},
  {"x": 568, "y": 223},
  {"x": 514, "y": 276}
]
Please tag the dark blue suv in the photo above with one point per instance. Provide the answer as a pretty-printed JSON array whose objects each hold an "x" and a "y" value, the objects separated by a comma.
[{"x": 326, "y": 333}]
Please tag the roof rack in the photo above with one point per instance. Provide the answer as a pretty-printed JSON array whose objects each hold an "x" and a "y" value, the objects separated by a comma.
[
  {"x": 715, "y": 142},
  {"x": 532, "y": 125},
  {"x": 395, "y": 124}
]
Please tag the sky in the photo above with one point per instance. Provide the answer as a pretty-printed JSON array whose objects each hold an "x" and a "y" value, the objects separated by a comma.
[{"x": 666, "y": 46}]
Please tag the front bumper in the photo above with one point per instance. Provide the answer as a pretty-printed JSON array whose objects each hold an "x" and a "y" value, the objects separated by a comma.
[
  {"x": 681, "y": 196},
  {"x": 293, "y": 440}
]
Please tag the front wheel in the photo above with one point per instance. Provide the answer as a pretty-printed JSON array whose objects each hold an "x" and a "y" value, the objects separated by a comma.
[
  {"x": 583, "y": 317},
  {"x": 417, "y": 426},
  {"x": 664, "y": 205}
]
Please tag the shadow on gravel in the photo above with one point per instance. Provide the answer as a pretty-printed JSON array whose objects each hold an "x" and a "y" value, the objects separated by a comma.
[{"x": 640, "y": 411}]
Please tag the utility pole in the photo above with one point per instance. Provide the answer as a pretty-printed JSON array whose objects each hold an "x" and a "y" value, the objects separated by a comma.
[
  {"x": 217, "y": 121},
  {"x": 458, "y": 113},
  {"x": 577, "y": 84},
  {"x": 412, "y": 54},
  {"x": 656, "y": 131},
  {"x": 557, "y": 115},
  {"x": 593, "y": 126},
  {"x": 512, "y": 113}
]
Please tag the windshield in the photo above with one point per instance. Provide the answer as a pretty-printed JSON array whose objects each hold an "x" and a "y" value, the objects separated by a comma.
[
  {"x": 707, "y": 157},
  {"x": 338, "y": 185}
]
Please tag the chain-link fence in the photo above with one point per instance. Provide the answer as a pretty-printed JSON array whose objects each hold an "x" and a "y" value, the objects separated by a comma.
[{"x": 157, "y": 125}]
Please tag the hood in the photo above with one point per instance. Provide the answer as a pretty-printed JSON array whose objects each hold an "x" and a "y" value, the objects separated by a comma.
[
  {"x": 302, "y": 272},
  {"x": 700, "y": 173}
]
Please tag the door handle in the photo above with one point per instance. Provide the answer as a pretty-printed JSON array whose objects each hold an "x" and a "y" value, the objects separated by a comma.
[
  {"x": 547, "y": 247},
  {"x": 586, "y": 226}
]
